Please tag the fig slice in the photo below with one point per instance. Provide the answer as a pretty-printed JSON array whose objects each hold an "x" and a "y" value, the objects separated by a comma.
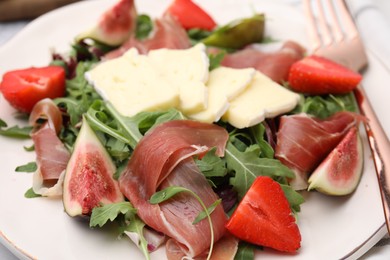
[
  {"x": 340, "y": 172},
  {"x": 89, "y": 178},
  {"x": 115, "y": 25}
]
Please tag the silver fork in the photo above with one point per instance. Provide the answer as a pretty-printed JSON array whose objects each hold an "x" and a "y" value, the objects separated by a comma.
[{"x": 334, "y": 35}]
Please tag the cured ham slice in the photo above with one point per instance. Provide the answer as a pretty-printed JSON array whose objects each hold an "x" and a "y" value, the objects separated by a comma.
[
  {"x": 51, "y": 155},
  {"x": 273, "y": 64},
  {"x": 163, "y": 158},
  {"x": 226, "y": 249},
  {"x": 304, "y": 141},
  {"x": 168, "y": 33}
]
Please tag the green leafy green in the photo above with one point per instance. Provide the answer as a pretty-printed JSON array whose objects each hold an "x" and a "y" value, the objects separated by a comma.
[
  {"x": 129, "y": 221},
  {"x": 196, "y": 35},
  {"x": 203, "y": 214},
  {"x": 211, "y": 165},
  {"x": 100, "y": 215},
  {"x": 248, "y": 165},
  {"x": 245, "y": 251},
  {"x": 79, "y": 96},
  {"x": 29, "y": 148},
  {"x": 327, "y": 105},
  {"x": 29, "y": 167},
  {"x": 3, "y": 123},
  {"x": 137, "y": 226},
  {"x": 169, "y": 192},
  {"x": 294, "y": 198},
  {"x": 15, "y": 131},
  {"x": 144, "y": 25},
  {"x": 216, "y": 59},
  {"x": 258, "y": 132},
  {"x": 29, "y": 194}
]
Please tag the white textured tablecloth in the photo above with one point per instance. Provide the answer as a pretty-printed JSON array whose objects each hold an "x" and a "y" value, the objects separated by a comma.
[{"x": 373, "y": 20}]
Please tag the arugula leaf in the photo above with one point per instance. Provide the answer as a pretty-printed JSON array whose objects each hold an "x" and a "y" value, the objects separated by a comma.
[
  {"x": 327, "y": 105},
  {"x": 245, "y": 251},
  {"x": 216, "y": 59},
  {"x": 169, "y": 192},
  {"x": 100, "y": 215},
  {"x": 203, "y": 214},
  {"x": 129, "y": 223},
  {"x": 29, "y": 194},
  {"x": 137, "y": 226},
  {"x": 29, "y": 148},
  {"x": 196, "y": 35},
  {"x": 79, "y": 94},
  {"x": 104, "y": 117},
  {"x": 248, "y": 165},
  {"x": 15, "y": 131},
  {"x": 3, "y": 123},
  {"x": 144, "y": 26},
  {"x": 211, "y": 165},
  {"x": 29, "y": 167},
  {"x": 294, "y": 198},
  {"x": 258, "y": 132}
]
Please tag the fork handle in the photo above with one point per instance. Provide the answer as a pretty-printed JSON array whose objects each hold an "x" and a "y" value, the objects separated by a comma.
[{"x": 380, "y": 148}]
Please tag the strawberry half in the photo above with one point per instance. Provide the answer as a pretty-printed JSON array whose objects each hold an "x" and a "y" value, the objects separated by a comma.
[
  {"x": 264, "y": 217},
  {"x": 315, "y": 75}
]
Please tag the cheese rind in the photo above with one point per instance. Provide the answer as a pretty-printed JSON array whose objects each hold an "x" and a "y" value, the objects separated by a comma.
[
  {"x": 262, "y": 99},
  {"x": 224, "y": 84}
]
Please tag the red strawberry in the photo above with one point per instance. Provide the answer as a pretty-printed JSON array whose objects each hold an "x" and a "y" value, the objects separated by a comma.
[
  {"x": 264, "y": 217},
  {"x": 317, "y": 76}
]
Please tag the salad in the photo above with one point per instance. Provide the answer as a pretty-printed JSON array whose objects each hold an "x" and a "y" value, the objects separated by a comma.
[{"x": 88, "y": 120}]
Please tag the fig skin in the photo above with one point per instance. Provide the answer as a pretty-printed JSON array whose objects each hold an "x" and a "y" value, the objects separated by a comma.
[
  {"x": 340, "y": 173},
  {"x": 89, "y": 178}
]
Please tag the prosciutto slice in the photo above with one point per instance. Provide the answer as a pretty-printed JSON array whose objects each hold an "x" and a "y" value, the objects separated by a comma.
[
  {"x": 51, "y": 154},
  {"x": 304, "y": 141},
  {"x": 273, "y": 64},
  {"x": 168, "y": 33},
  {"x": 163, "y": 158}
]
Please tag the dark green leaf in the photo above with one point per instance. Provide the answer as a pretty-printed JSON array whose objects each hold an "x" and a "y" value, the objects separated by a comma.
[
  {"x": 327, "y": 105},
  {"x": 100, "y": 215},
  {"x": 247, "y": 166},
  {"x": 294, "y": 198},
  {"x": 2, "y": 123},
  {"x": 29, "y": 167},
  {"x": 211, "y": 165},
  {"x": 136, "y": 225},
  {"x": 196, "y": 35},
  {"x": 245, "y": 251},
  {"x": 258, "y": 132},
  {"x": 166, "y": 194},
  {"x": 29, "y": 194},
  {"x": 216, "y": 59},
  {"x": 29, "y": 148},
  {"x": 15, "y": 131},
  {"x": 203, "y": 214},
  {"x": 144, "y": 26}
]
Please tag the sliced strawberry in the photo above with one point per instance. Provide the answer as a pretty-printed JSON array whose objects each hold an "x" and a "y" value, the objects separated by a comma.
[
  {"x": 190, "y": 15},
  {"x": 264, "y": 217},
  {"x": 317, "y": 76}
]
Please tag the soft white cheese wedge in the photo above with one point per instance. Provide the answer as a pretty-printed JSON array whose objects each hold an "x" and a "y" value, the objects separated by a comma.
[
  {"x": 132, "y": 84},
  {"x": 188, "y": 71},
  {"x": 224, "y": 84},
  {"x": 262, "y": 99}
]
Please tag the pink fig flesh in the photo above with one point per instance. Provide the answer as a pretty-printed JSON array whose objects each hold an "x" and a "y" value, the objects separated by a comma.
[{"x": 340, "y": 172}]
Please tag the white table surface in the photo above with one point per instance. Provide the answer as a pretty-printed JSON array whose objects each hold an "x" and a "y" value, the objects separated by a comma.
[{"x": 380, "y": 12}]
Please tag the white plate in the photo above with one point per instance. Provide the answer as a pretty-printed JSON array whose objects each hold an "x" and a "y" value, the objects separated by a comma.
[{"x": 331, "y": 228}]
